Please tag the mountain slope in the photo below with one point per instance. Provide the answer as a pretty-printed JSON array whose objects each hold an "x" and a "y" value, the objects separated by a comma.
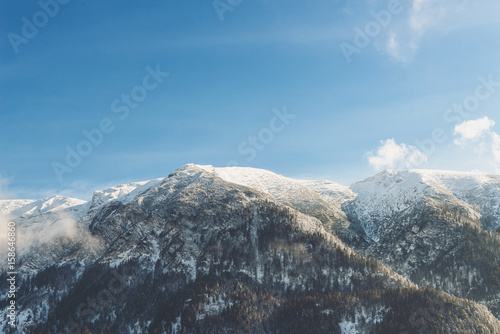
[
  {"x": 294, "y": 193},
  {"x": 47, "y": 232},
  {"x": 418, "y": 227},
  {"x": 476, "y": 189},
  {"x": 245, "y": 250},
  {"x": 190, "y": 227}
]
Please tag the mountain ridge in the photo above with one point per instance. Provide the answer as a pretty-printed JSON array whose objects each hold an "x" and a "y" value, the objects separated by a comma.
[{"x": 282, "y": 240}]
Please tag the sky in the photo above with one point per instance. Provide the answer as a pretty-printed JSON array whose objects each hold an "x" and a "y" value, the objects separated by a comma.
[{"x": 99, "y": 93}]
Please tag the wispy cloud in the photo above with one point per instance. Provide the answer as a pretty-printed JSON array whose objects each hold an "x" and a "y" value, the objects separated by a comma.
[
  {"x": 392, "y": 155},
  {"x": 4, "y": 192},
  {"x": 424, "y": 16},
  {"x": 394, "y": 48}
]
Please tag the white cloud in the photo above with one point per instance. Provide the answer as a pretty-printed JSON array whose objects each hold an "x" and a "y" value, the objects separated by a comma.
[
  {"x": 393, "y": 155},
  {"x": 478, "y": 135},
  {"x": 473, "y": 130}
]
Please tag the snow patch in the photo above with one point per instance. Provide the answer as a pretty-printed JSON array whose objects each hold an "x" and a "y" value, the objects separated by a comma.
[{"x": 347, "y": 327}]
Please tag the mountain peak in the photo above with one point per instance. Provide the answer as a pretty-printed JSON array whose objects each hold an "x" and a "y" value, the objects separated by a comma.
[
  {"x": 123, "y": 193},
  {"x": 30, "y": 207}
]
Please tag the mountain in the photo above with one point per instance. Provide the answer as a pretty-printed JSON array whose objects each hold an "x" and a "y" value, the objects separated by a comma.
[
  {"x": 392, "y": 192},
  {"x": 47, "y": 231},
  {"x": 235, "y": 249},
  {"x": 293, "y": 193},
  {"x": 429, "y": 226}
]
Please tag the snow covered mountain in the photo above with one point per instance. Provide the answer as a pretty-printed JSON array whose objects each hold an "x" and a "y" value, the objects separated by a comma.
[
  {"x": 47, "y": 230},
  {"x": 392, "y": 192},
  {"x": 433, "y": 227},
  {"x": 208, "y": 247},
  {"x": 475, "y": 189},
  {"x": 24, "y": 208},
  {"x": 304, "y": 196}
]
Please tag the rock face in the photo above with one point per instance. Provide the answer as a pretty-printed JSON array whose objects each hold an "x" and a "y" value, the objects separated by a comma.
[
  {"x": 245, "y": 250},
  {"x": 429, "y": 226}
]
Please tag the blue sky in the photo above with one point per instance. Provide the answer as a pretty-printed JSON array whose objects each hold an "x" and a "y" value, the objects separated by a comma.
[{"x": 236, "y": 69}]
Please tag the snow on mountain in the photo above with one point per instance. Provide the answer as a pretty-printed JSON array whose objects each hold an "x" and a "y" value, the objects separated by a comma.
[
  {"x": 332, "y": 192},
  {"x": 45, "y": 229},
  {"x": 478, "y": 189},
  {"x": 379, "y": 197},
  {"x": 25, "y": 208},
  {"x": 390, "y": 192},
  {"x": 259, "y": 179},
  {"x": 172, "y": 222},
  {"x": 433, "y": 227},
  {"x": 321, "y": 199},
  {"x": 265, "y": 227},
  {"x": 39, "y": 221},
  {"x": 123, "y": 193},
  {"x": 281, "y": 187},
  {"x": 8, "y": 207},
  {"x": 370, "y": 202},
  {"x": 374, "y": 199}
]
